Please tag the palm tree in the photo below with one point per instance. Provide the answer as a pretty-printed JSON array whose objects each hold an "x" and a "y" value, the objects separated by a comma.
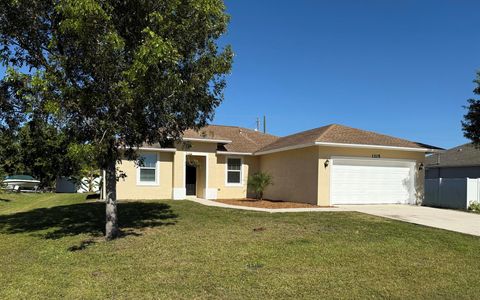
[{"x": 258, "y": 182}]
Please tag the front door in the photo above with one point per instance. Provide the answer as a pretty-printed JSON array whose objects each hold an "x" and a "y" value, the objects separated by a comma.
[{"x": 191, "y": 180}]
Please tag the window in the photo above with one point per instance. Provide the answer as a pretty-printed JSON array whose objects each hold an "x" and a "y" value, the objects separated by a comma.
[
  {"x": 234, "y": 171},
  {"x": 148, "y": 171}
]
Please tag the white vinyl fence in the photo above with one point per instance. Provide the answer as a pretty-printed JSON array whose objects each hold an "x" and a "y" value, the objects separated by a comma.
[
  {"x": 451, "y": 192},
  {"x": 68, "y": 185}
]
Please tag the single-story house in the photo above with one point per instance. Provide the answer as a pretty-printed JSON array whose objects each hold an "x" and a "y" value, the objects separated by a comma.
[
  {"x": 460, "y": 162},
  {"x": 329, "y": 165},
  {"x": 453, "y": 177}
]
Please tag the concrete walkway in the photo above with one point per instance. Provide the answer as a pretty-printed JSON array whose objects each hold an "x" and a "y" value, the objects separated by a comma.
[
  {"x": 452, "y": 220},
  {"x": 270, "y": 210},
  {"x": 447, "y": 219}
]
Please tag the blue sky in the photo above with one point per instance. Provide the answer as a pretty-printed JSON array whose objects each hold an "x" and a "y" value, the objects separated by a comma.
[{"x": 403, "y": 68}]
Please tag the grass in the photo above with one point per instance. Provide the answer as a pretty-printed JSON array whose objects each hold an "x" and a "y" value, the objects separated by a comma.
[{"x": 51, "y": 247}]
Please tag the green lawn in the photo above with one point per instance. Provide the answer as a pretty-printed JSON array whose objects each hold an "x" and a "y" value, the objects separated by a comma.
[{"x": 51, "y": 247}]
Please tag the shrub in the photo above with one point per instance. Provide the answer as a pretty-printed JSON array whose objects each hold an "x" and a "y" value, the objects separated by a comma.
[
  {"x": 258, "y": 182},
  {"x": 474, "y": 206}
]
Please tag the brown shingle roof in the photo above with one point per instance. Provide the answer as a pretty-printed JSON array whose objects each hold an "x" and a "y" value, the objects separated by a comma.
[
  {"x": 242, "y": 139},
  {"x": 463, "y": 155},
  {"x": 251, "y": 141},
  {"x": 340, "y": 134}
]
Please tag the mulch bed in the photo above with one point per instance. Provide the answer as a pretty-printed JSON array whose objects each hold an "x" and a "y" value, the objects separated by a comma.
[{"x": 265, "y": 203}]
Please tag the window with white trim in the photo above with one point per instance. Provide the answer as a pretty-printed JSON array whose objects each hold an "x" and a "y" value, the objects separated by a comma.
[
  {"x": 234, "y": 171},
  {"x": 148, "y": 169}
]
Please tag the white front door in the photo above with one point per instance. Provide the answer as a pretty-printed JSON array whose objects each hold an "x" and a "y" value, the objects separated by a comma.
[{"x": 371, "y": 181}]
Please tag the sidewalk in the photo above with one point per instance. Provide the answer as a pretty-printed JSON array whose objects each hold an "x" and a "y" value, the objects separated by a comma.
[{"x": 270, "y": 210}]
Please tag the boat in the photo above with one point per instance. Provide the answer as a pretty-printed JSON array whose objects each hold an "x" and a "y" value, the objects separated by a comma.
[{"x": 21, "y": 183}]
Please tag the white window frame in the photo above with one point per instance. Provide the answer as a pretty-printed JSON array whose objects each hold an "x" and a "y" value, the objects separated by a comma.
[
  {"x": 226, "y": 171},
  {"x": 157, "y": 171}
]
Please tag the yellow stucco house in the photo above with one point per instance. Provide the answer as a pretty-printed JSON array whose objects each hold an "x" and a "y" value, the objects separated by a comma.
[{"x": 330, "y": 165}]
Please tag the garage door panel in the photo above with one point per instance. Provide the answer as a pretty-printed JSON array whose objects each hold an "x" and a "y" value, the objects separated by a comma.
[{"x": 370, "y": 182}]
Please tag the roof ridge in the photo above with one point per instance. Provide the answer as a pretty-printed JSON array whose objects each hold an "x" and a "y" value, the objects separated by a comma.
[
  {"x": 219, "y": 125},
  {"x": 378, "y": 133},
  {"x": 308, "y": 130},
  {"x": 244, "y": 128},
  {"x": 329, "y": 127}
]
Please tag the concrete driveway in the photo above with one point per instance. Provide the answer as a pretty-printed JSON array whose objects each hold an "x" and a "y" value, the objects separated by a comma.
[{"x": 463, "y": 222}]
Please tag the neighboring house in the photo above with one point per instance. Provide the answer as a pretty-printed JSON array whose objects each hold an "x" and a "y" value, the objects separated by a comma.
[
  {"x": 325, "y": 166},
  {"x": 460, "y": 162},
  {"x": 453, "y": 177}
]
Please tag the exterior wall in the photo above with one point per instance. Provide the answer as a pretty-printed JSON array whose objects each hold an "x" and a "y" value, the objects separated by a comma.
[
  {"x": 219, "y": 177},
  {"x": 325, "y": 153},
  {"x": 172, "y": 175},
  {"x": 453, "y": 172},
  {"x": 298, "y": 175},
  {"x": 295, "y": 175},
  {"x": 301, "y": 176},
  {"x": 127, "y": 188}
]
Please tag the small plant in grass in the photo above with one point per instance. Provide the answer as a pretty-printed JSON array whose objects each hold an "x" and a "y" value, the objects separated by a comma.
[
  {"x": 258, "y": 182},
  {"x": 253, "y": 266},
  {"x": 474, "y": 206}
]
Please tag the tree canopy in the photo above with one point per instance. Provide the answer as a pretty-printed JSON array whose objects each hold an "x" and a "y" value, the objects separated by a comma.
[
  {"x": 471, "y": 122},
  {"x": 114, "y": 74}
]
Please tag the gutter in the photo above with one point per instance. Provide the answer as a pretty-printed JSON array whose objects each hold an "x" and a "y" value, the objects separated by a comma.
[
  {"x": 361, "y": 146},
  {"x": 235, "y": 153},
  {"x": 157, "y": 149},
  {"x": 378, "y": 147}
]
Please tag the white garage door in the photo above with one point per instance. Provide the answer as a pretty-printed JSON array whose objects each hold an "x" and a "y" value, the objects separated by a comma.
[{"x": 371, "y": 181}]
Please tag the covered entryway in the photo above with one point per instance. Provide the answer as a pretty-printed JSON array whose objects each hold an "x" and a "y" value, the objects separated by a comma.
[
  {"x": 371, "y": 181},
  {"x": 195, "y": 175}
]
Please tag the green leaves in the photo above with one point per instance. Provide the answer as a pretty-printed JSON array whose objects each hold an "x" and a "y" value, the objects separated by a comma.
[
  {"x": 77, "y": 15},
  {"x": 152, "y": 52},
  {"x": 471, "y": 121},
  {"x": 258, "y": 182},
  {"x": 113, "y": 74}
]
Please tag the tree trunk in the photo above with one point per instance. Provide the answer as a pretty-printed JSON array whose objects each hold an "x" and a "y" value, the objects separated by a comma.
[{"x": 111, "y": 226}]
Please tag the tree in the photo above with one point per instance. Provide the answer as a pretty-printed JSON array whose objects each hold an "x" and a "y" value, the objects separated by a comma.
[
  {"x": 36, "y": 148},
  {"x": 258, "y": 182},
  {"x": 2, "y": 178},
  {"x": 115, "y": 74},
  {"x": 88, "y": 171},
  {"x": 11, "y": 117},
  {"x": 471, "y": 122},
  {"x": 42, "y": 152}
]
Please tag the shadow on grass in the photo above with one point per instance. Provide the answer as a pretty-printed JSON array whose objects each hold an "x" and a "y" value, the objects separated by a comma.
[
  {"x": 4, "y": 200},
  {"x": 86, "y": 218},
  {"x": 93, "y": 197}
]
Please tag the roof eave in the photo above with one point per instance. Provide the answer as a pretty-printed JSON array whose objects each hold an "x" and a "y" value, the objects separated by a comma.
[
  {"x": 364, "y": 146},
  {"x": 367, "y": 146},
  {"x": 453, "y": 166},
  {"x": 159, "y": 149},
  {"x": 234, "y": 153}
]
